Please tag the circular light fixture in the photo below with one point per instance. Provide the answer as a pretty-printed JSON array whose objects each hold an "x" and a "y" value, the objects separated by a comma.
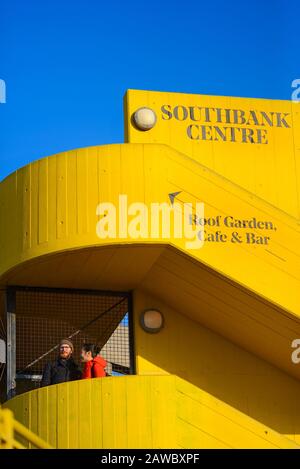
[
  {"x": 144, "y": 118},
  {"x": 152, "y": 320}
]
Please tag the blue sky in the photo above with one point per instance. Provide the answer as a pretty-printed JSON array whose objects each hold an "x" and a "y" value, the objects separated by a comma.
[{"x": 67, "y": 64}]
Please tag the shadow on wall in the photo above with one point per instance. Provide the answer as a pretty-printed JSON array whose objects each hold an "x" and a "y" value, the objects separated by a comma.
[{"x": 218, "y": 367}]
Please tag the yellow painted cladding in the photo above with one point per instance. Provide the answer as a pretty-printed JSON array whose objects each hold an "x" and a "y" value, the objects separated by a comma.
[
  {"x": 50, "y": 206},
  {"x": 268, "y": 168},
  {"x": 219, "y": 374},
  {"x": 11, "y": 431},
  {"x": 216, "y": 379},
  {"x": 139, "y": 412},
  {"x": 193, "y": 389}
]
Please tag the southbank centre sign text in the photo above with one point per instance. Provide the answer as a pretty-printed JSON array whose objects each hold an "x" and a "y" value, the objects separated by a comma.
[{"x": 227, "y": 125}]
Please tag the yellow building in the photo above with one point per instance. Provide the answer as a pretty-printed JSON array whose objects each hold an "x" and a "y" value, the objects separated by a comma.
[{"x": 178, "y": 252}]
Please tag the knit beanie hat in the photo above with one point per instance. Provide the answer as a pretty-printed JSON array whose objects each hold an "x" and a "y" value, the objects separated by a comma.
[{"x": 67, "y": 342}]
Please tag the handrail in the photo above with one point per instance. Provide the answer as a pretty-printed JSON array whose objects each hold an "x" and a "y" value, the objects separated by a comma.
[{"x": 9, "y": 427}]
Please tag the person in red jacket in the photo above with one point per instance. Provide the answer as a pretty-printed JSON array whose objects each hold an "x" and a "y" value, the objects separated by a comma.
[{"x": 94, "y": 364}]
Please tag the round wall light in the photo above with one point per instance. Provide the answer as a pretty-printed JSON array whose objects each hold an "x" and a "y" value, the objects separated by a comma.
[
  {"x": 152, "y": 320},
  {"x": 144, "y": 118}
]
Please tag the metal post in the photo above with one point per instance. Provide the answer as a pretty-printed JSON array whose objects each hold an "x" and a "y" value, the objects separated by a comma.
[
  {"x": 131, "y": 334},
  {"x": 11, "y": 343}
]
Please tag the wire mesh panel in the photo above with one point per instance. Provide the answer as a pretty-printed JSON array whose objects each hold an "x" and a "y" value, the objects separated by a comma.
[
  {"x": 2, "y": 347},
  {"x": 45, "y": 316}
]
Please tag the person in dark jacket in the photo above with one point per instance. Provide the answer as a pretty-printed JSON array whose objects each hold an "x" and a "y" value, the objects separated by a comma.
[
  {"x": 94, "y": 364},
  {"x": 63, "y": 368}
]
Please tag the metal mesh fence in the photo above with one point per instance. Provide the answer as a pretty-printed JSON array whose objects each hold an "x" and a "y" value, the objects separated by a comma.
[{"x": 45, "y": 316}]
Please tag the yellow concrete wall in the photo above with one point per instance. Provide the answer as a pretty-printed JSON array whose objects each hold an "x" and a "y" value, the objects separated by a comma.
[
  {"x": 218, "y": 395},
  {"x": 100, "y": 413},
  {"x": 194, "y": 388},
  {"x": 49, "y": 207},
  {"x": 138, "y": 412},
  {"x": 218, "y": 377},
  {"x": 270, "y": 170}
]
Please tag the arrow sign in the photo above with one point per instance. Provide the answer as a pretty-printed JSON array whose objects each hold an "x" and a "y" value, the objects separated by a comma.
[{"x": 172, "y": 196}]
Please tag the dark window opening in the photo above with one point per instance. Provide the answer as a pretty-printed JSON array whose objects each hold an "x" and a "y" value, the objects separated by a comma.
[{"x": 44, "y": 316}]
